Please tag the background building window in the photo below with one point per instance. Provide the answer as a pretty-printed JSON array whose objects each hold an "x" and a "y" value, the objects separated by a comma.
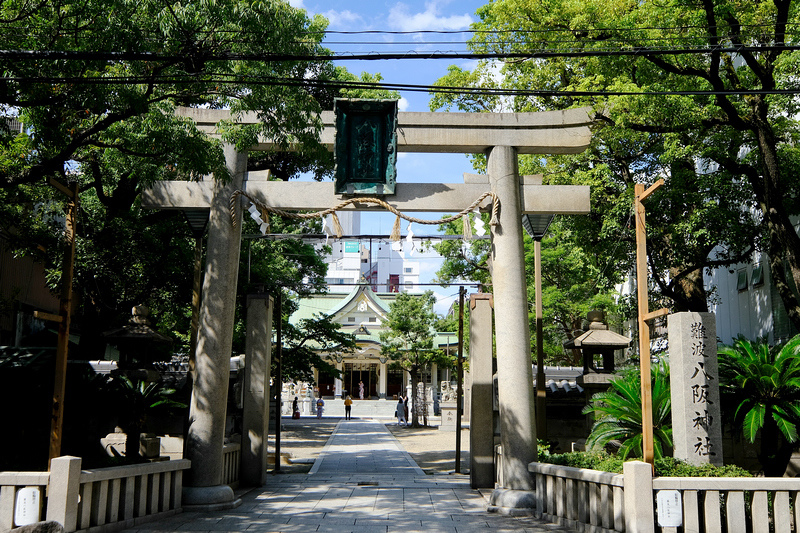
[
  {"x": 741, "y": 280},
  {"x": 758, "y": 275}
]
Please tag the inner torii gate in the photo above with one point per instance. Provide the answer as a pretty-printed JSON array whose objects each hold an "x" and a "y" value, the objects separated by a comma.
[{"x": 500, "y": 135}]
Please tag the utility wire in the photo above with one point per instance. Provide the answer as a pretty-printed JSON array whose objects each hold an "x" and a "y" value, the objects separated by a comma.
[
  {"x": 336, "y": 84},
  {"x": 39, "y": 55},
  {"x": 27, "y": 29}
]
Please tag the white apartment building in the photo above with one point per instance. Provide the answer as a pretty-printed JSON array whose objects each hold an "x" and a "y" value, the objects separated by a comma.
[{"x": 373, "y": 260}]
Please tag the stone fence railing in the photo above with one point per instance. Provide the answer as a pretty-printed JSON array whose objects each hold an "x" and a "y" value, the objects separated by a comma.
[
  {"x": 588, "y": 500},
  {"x": 231, "y": 464},
  {"x": 585, "y": 500},
  {"x": 105, "y": 499}
]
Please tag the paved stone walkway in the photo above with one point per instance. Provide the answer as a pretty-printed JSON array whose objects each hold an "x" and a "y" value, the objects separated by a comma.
[{"x": 363, "y": 481}]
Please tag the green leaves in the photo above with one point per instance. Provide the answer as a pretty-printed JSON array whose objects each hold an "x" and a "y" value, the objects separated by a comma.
[
  {"x": 618, "y": 415},
  {"x": 763, "y": 383},
  {"x": 110, "y": 125},
  {"x": 705, "y": 146}
]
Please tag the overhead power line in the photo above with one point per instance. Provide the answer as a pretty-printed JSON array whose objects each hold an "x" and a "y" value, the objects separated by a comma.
[
  {"x": 83, "y": 55},
  {"x": 221, "y": 81}
]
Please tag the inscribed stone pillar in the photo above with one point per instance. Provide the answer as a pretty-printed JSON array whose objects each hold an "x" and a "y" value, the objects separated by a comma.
[
  {"x": 214, "y": 341},
  {"x": 514, "y": 370},
  {"x": 481, "y": 433},
  {"x": 255, "y": 416},
  {"x": 694, "y": 379},
  {"x": 383, "y": 380}
]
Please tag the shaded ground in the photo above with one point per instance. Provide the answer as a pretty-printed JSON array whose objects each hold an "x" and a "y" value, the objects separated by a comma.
[
  {"x": 302, "y": 440},
  {"x": 433, "y": 450}
]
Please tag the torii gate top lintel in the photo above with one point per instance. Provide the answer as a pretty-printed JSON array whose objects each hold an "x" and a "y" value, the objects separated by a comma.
[
  {"x": 548, "y": 132},
  {"x": 551, "y": 132}
]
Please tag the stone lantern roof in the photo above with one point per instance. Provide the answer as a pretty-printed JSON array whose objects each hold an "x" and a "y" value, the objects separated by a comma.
[
  {"x": 598, "y": 339},
  {"x": 137, "y": 341}
]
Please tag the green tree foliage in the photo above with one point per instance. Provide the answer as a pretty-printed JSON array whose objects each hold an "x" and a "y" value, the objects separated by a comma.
[
  {"x": 408, "y": 339},
  {"x": 727, "y": 157},
  {"x": 618, "y": 415},
  {"x": 762, "y": 384},
  {"x": 464, "y": 261},
  {"x": 302, "y": 344},
  {"x": 573, "y": 282},
  {"x": 104, "y": 115}
]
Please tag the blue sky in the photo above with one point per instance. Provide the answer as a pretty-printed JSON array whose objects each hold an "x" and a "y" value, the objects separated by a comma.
[{"x": 450, "y": 15}]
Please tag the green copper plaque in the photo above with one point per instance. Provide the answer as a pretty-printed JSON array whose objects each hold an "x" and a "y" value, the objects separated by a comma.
[{"x": 365, "y": 149}]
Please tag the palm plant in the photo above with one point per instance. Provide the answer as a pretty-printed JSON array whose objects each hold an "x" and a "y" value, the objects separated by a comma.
[
  {"x": 137, "y": 399},
  {"x": 764, "y": 385},
  {"x": 618, "y": 415}
]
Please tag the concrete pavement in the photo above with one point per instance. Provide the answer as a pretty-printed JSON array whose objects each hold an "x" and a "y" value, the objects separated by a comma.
[{"x": 363, "y": 481}]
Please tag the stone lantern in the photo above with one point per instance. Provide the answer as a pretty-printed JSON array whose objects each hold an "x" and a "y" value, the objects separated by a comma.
[
  {"x": 139, "y": 344},
  {"x": 598, "y": 340}
]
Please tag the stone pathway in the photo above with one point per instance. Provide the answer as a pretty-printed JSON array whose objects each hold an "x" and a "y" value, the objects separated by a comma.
[{"x": 363, "y": 481}]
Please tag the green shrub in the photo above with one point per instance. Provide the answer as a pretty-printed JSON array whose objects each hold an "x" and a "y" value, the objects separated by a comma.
[
  {"x": 671, "y": 467},
  {"x": 665, "y": 467},
  {"x": 593, "y": 460}
]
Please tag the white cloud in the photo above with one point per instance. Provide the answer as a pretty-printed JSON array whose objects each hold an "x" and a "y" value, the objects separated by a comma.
[
  {"x": 297, "y": 3},
  {"x": 343, "y": 20},
  {"x": 402, "y": 104},
  {"x": 400, "y": 18}
]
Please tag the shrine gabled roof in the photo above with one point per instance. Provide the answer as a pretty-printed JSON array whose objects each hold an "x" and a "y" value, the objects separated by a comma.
[
  {"x": 368, "y": 293},
  {"x": 333, "y": 304}
]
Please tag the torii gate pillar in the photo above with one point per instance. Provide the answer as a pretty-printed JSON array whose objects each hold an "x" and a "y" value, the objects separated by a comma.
[
  {"x": 514, "y": 373},
  {"x": 211, "y": 370}
]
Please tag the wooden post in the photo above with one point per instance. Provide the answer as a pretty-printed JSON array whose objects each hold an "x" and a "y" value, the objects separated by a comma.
[
  {"x": 65, "y": 305},
  {"x": 278, "y": 312},
  {"x": 460, "y": 385},
  {"x": 197, "y": 286},
  {"x": 541, "y": 395},
  {"x": 640, "y": 194}
]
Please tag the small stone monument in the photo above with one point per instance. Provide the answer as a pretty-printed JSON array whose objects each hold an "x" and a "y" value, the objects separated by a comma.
[
  {"x": 694, "y": 379},
  {"x": 448, "y": 407}
]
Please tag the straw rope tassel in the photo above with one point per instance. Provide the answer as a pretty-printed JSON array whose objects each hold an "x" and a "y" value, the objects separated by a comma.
[
  {"x": 234, "y": 198},
  {"x": 467, "y": 230},
  {"x": 337, "y": 227},
  {"x": 395, "y": 236},
  {"x": 264, "y": 215},
  {"x": 495, "y": 211}
]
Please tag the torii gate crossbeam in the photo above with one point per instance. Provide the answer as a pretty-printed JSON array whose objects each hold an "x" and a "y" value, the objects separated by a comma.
[{"x": 502, "y": 137}]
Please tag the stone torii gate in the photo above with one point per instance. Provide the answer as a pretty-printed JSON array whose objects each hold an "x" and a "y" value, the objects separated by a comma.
[{"x": 502, "y": 136}]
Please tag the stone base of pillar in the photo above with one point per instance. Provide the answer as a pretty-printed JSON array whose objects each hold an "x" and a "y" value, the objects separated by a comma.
[
  {"x": 216, "y": 498},
  {"x": 512, "y": 502}
]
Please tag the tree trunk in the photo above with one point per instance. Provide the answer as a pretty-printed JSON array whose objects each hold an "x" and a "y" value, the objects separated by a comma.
[
  {"x": 775, "y": 453},
  {"x": 414, "y": 399},
  {"x": 688, "y": 292}
]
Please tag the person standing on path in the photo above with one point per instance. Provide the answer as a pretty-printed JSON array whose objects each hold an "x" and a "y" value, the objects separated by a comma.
[
  {"x": 400, "y": 412},
  {"x": 320, "y": 407},
  {"x": 361, "y": 390},
  {"x": 348, "y": 404}
]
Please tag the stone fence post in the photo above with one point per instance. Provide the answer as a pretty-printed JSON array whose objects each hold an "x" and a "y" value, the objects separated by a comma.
[
  {"x": 63, "y": 490},
  {"x": 638, "y": 486}
]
